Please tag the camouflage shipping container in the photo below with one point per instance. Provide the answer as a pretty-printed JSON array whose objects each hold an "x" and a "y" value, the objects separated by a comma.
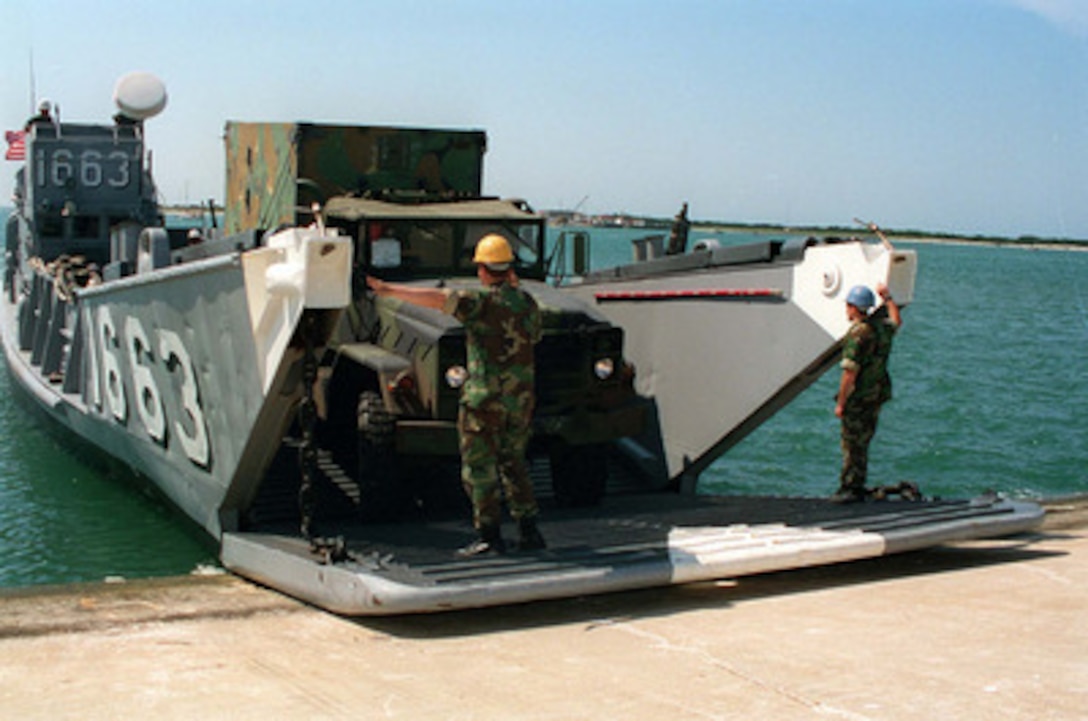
[{"x": 276, "y": 170}]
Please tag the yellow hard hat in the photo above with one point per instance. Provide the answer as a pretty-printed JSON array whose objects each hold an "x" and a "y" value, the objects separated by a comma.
[{"x": 493, "y": 250}]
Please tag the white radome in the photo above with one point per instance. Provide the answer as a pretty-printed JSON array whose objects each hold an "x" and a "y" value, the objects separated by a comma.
[{"x": 139, "y": 95}]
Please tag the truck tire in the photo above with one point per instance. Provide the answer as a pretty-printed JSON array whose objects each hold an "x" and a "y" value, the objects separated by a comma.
[
  {"x": 376, "y": 458},
  {"x": 579, "y": 474}
]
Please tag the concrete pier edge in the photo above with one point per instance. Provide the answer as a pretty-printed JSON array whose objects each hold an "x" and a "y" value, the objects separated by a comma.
[
  {"x": 986, "y": 629},
  {"x": 213, "y": 593}
]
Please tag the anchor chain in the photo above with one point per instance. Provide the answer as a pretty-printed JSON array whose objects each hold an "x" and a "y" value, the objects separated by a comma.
[
  {"x": 907, "y": 490},
  {"x": 329, "y": 550},
  {"x": 307, "y": 420}
]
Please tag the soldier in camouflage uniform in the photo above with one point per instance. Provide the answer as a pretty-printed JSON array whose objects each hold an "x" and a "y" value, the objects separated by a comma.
[
  {"x": 502, "y": 324},
  {"x": 865, "y": 384}
]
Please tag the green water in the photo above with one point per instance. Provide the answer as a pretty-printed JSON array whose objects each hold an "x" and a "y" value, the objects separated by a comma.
[
  {"x": 991, "y": 392},
  {"x": 65, "y": 517}
]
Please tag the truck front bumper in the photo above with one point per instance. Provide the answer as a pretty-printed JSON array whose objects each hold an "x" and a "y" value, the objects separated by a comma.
[{"x": 581, "y": 427}]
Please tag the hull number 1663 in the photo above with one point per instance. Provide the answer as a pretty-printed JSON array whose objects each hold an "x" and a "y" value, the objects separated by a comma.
[
  {"x": 148, "y": 359},
  {"x": 89, "y": 168}
]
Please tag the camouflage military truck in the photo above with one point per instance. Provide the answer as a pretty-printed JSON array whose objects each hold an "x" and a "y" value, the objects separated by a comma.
[{"x": 389, "y": 387}]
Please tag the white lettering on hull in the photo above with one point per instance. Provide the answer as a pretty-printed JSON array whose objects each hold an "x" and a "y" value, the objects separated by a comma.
[
  {"x": 150, "y": 367},
  {"x": 194, "y": 441}
]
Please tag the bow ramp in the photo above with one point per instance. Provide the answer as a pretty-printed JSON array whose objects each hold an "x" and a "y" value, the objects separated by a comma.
[{"x": 632, "y": 542}]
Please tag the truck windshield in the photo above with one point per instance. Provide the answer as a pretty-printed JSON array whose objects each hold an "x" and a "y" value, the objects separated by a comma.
[{"x": 425, "y": 248}]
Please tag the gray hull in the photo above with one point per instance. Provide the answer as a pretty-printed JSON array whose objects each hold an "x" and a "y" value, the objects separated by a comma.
[
  {"x": 722, "y": 339},
  {"x": 186, "y": 374}
]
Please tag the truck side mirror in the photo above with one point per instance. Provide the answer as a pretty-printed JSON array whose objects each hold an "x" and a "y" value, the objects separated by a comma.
[{"x": 581, "y": 253}]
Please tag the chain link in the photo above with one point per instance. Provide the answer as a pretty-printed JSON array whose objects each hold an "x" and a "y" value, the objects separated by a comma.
[{"x": 307, "y": 417}]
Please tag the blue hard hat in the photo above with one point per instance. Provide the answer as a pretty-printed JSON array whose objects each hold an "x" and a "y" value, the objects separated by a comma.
[{"x": 861, "y": 297}]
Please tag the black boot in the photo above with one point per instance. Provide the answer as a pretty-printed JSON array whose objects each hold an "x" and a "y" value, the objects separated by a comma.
[
  {"x": 490, "y": 541},
  {"x": 850, "y": 494},
  {"x": 529, "y": 538}
]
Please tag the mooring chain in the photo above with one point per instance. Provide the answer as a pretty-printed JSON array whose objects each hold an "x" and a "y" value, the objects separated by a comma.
[
  {"x": 331, "y": 550},
  {"x": 307, "y": 419}
]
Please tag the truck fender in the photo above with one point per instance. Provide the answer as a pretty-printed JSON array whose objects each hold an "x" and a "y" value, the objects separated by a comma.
[{"x": 356, "y": 368}]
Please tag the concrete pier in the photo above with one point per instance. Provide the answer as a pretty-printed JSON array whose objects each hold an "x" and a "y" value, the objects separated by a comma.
[{"x": 978, "y": 630}]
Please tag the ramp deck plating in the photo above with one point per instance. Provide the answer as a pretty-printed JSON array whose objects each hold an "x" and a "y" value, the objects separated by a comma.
[{"x": 637, "y": 542}]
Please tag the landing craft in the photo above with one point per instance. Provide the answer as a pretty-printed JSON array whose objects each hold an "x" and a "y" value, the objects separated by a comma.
[{"x": 309, "y": 427}]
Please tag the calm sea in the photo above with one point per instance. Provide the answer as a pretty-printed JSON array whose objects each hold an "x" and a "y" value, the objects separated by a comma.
[{"x": 991, "y": 392}]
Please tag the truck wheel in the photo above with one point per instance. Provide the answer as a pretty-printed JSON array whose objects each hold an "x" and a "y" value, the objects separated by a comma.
[
  {"x": 376, "y": 470},
  {"x": 579, "y": 474}
]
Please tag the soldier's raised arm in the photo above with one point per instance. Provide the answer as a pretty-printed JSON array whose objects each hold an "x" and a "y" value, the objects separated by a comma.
[
  {"x": 427, "y": 297},
  {"x": 890, "y": 304}
]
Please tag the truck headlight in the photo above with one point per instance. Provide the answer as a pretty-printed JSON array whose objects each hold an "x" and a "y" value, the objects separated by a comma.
[
  {"x": 604, "y": 368},
  {"x": 456, "y": 376}
]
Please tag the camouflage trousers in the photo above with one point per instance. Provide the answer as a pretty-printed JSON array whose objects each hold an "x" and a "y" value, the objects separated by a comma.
[
  {"x": 493, "y": 441},
  {"x": 858, "y": 428}
]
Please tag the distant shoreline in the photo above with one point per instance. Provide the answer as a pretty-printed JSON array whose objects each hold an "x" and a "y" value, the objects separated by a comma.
[
  {"x": 658, "y": 224},
  {"x": 651, "y": 225},
  {"x": 905, "y": 237},
  {"x": 1068, "y": 245}
]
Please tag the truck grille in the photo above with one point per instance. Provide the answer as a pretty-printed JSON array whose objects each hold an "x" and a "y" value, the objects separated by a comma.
[{"x": 564, "y": 367}]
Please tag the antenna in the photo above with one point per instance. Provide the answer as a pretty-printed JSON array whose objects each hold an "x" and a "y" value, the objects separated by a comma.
[{"x": 33, "y": 83}]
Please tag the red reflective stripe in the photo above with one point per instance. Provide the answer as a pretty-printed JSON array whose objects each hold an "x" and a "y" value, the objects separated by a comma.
[{"x": 673, "y": 294}]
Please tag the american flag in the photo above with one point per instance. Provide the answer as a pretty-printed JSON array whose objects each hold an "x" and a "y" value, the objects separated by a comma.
[{"x": 16, "y": 145}]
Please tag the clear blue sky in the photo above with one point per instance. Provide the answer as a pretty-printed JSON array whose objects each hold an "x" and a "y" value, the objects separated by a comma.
[{"x": 948, "y": 115}]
